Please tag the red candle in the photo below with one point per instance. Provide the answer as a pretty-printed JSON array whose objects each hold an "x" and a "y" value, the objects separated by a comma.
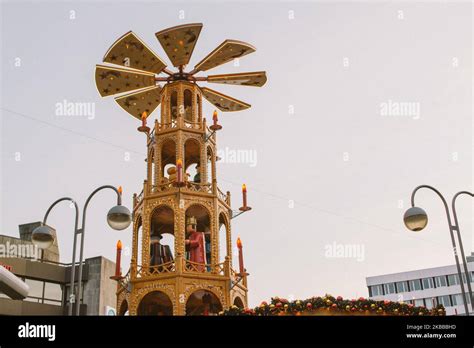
[
  {"x": 118, "y": 273},
  {"x": 214, "y": 117},
  {"x": 241, "y": 257},
  {"x": 244, "y": 195},
  {"x": 179, "y": 168},
  {"x": 144, "y": 116}
]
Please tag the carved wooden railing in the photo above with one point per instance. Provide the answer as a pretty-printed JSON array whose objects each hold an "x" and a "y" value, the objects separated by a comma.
[
  {"x": 123, "y": 282},
  {"x": 192, "y": 125},
  {"x": 148, "y": 271},
  {"x": 188, "y": 185},
  {"x": 168, "y": 125},
  {"x": 137, "y": 200},
  {"x": 195, "y": 267},
  {"x": 221, "y": 195},
  {"x": 170, "y": 267},
  {"x": 164, "y": 186},
  {"x": 198, "y": 187}
]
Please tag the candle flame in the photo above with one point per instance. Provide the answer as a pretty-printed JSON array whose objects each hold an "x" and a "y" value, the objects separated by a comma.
[
  {"x": 244, "y": 188},
  {"x": 119, "y": 245},
  {"x": 179, "y": 162},
  {"x": 144, "y": 115},
  {"x": 239, "y": 243},
  {"x": 120, "y": 190},
  {"x": 214, "y": 115}
]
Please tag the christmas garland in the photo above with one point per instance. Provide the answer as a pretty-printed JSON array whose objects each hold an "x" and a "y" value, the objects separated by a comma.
[{"x": 329, "y": 305}]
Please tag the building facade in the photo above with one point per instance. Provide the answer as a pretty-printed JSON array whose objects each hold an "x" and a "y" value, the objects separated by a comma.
[
  {"x": 49, "y": 279},
  {"x": 425, "y": 287}
]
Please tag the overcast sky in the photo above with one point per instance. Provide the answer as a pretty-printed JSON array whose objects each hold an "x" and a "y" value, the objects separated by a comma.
[{"x": 336, "y": 163}]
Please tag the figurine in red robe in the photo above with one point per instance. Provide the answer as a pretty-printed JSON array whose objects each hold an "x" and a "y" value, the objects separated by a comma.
[{"x": 196, "y": 244}]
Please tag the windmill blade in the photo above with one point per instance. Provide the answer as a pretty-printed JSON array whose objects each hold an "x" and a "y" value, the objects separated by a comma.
[
  {"x": 110, "y": 80},
  {"x": 255, "y": 79},
  {"x": 144, "y": 100},
  {"x": 178, "y": 42},
  {"x": 225, "y": 52},
  {"x": 223, "y": 102},
  {"x": 130, "y": 51}
]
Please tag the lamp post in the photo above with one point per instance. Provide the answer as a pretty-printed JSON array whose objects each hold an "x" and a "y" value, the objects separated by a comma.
[
  {"x": 118, "y": 218},
  {"x": 416, "y": 219}
]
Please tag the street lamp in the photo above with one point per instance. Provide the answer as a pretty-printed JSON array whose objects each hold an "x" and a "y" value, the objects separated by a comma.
[
  {"x": 118, "y": 218},
  {"x": 416, "y": 219},
  {"x": 43, "y": 236}
]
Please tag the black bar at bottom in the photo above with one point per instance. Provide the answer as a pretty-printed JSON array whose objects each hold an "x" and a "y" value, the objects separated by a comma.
[{"x": 452, "y": 330}]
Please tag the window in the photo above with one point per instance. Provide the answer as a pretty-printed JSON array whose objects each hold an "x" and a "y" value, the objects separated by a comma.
[
  {"x": 419, "y": 302},
  {"x": 44, "y": 292},
  {"x": 389, "y": 288},
  {"x": 415, "y": 285},
  {"x": 188, "y": 105},
  {"x": 36, "y": 288},
  {"x": 198, "y": 102},
  {"x": 440, "y": 281},
  {"x": 402, "y": 287},
  {"x": 457, "y": 300},
  {"x": 428, "y": 283},
  {"x": 453, "y": 279},
  {"x": 53, "y": 291},
  {"x": 430, "y": 302},
  {"x": 376, "y": 290},
  {"x": 464, "y": 277},
  {"x": 174, "y": 104},
  {"x": 444, "y": 300}
]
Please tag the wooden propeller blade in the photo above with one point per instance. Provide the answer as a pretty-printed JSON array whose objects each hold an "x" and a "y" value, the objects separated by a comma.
[
  {"x": 255, "y": 79},
  {"x": 130, "y": 51},
  {"x": 225, "y": 52},
  {"x": 223, "y": 102},
  {"x": 178, "y": 42},
  {"x": 143, "y": 100},
  {"x": 111, "y": 80}
]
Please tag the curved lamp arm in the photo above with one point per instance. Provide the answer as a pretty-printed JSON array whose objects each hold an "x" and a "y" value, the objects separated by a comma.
[
  {"x": 440, "y": 196},
  {"x": 84, "y": 210},
  {"x": 83, "y": 227},
  {"x": 73, "y": 263},
  {"x": 58, "y": 201},
  {"x": 454, "y": 203},
  {"x": 453, "y": 241},
  {"x": 458, "y": 231}
]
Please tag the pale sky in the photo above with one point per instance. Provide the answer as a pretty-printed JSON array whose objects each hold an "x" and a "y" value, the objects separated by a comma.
[{"x": 336, "y": 170}]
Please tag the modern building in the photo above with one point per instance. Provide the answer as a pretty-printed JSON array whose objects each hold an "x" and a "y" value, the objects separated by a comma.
[
  {"x": 49, "y": 280},
  {"x": 425, "y": 287}
]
